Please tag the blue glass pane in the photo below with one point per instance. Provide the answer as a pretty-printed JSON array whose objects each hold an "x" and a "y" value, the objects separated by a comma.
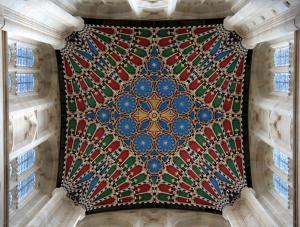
[
  {"x": 282, "y": 56},
  {"x": 281, "y": 186},
  {"x": 281, "y": 82},
  {"x": 9, "y": 82},
  {"x": 10, "y": 169},
  {"x": 8, "y": 55},
  {"x": 26, "y": 186},
  {"x": 24, "y": 57},
  {"x": 281, "y": 161},
  {"x": 26, "y": 161},
  {"x": 10, "y": 200},
  {"x": 25, "y": 82}
]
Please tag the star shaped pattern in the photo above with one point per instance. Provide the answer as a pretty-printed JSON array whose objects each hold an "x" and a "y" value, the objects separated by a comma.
[{"x": 154, "y": 116}]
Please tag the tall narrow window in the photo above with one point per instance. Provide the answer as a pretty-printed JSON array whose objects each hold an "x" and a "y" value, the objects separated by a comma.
[
  {"x": 25, "y": 161},
  {"x": 281, "y": 186},
  {"x": 281, "y": 161},
  {"x": 26, "y": 186},
  {"x": 25, "y": 82},
  {"x": 24, "y": 56}
]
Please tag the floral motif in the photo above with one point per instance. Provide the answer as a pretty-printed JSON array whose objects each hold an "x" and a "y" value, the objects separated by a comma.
[
  {"x": 142, "y": 143},
  {"x": 182, "y": 127},
  {"x": 154, "y": 166},
  {"x": 103, "y": 115},
  {"x": 205, "y": 115},
  {"x": 143, "y": 87},
  {"x": 126, "y": 103},
  {"x": 154, "y": 64},
  {"x": 182, "y": 103},
  {"x": 166, "y": 87},
  {"x": 166, "y": 143},
  {"x": 126, "y": 126}
]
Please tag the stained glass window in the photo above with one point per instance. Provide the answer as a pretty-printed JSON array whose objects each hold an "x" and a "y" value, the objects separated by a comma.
[
  {"x": 282, "y": 56},
  {"x": 26, "y": 186},
  {"x": 281, "y": 161},
  {"x": 282, "y": 81},
  {"x": 25, "y": 82},
  {"x": 26, "y": 161},
  {"x": 24, "y": 56},
  {"x": 281, "y": 186}
]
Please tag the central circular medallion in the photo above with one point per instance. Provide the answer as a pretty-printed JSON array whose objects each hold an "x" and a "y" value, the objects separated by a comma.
[{"x": 154, "y": 115}]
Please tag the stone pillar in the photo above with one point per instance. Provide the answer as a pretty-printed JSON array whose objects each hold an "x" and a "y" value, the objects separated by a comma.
[
  {"x": 58, "y": 211},
  {"x": 247, "y": 212}
]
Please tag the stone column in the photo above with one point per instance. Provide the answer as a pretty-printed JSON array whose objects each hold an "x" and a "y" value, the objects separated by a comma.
[
  {"x": 247, "y": 212},
  {"x": 58, "y": 211}
]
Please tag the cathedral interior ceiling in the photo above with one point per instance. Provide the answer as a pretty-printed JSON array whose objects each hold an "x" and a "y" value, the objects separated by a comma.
[{"x": 154, "y": 116}]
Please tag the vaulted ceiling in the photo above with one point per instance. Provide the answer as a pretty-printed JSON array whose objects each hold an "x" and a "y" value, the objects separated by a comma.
[{"x": 154, "y": 116}]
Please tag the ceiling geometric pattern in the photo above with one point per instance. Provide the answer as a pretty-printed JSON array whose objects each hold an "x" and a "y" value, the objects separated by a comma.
[{"x": 154, "y": 116}]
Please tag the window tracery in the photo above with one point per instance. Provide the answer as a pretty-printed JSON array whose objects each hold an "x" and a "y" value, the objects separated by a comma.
[
  {"x": 26, "y": 186},
  {"x": 272, "y": 126},
  {"x": 24, "y": 68},
  {"x": 23, "y": 178},
  {"x": 280, "y": 186},
  {"x": 25, "y": 161},
  {"x": 281, "y": 160},
  {"x": 282, "y": 68}
]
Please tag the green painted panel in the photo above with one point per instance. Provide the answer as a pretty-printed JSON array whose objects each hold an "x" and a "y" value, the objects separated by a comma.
[{"x": 76, "y": 166}]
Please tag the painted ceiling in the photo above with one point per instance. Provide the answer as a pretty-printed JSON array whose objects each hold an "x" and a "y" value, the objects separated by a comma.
[{"x": 153, "y": 116}]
